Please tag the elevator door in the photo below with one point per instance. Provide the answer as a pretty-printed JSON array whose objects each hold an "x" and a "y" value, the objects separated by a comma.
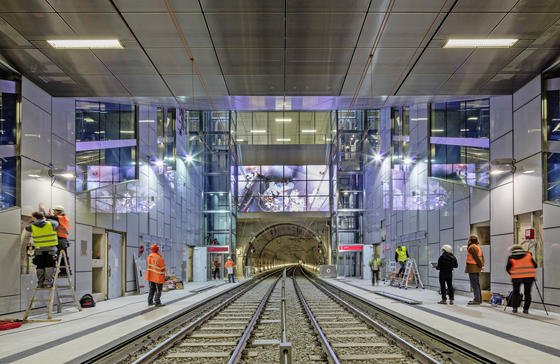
[{"x": 115, "y": 264}]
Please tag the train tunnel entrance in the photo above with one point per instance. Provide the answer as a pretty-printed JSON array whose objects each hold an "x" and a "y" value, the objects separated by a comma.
[{"x": 285, "y": 243}]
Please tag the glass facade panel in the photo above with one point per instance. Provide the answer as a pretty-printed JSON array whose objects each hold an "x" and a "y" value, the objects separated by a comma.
[
  {"x": 8, "y": 118},
  {"x": 99, "y": 121},
  {"x": 102, "y": 167},
  {"x": 8, "y": 173}
]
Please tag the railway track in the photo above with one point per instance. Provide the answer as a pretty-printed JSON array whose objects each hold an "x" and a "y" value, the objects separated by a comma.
[{"x": 295, "y": 319}]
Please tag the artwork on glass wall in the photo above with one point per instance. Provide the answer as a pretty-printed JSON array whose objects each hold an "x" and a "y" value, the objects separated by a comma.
[{"x": 283, "y": 188}]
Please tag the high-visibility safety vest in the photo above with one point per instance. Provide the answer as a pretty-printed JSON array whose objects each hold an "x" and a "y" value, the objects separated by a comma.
[
  {"x": 63, "y": 226},
  {"x": 229, "y": 263},
  {"x": 401, "y": 254},
  {"x": 43, "y": 236},
  {"x": 523, "y": 267},
  {"x": 156, "y": 268},
  {"x": 470, "y": 259}
]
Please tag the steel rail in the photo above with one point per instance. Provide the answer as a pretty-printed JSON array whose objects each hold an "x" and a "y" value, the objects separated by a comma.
[
  {"x": 155, "y": 352},
  {"x": 236, "y": 354},
  {"x": 402, "y": 343},
  {"x": 332, "y": 357}
]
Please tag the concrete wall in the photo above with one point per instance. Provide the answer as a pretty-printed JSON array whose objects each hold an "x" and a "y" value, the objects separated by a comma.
[
  {"x": 516, "y": 132},
  {"x": 48, "y": 142}
]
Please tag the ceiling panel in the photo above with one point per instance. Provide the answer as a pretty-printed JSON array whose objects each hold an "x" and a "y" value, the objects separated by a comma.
[
  {"x": 176, "y": 61},
  {"x": 370, "y": 29},
  {"x": 10, "y": 37},
  {"x": 216, "y": 6},
  {"x": 144, "y": 85},
  {"x": 251, "y": 30},
  {"x": 327, "y": 6},
  {"x": 408, "y": 29},
  {"x": 464, "y": 83},
  {"x": 98, "y": 25},
  {"x": 435, "y": 60},
  {"x": 255, "y": 84},
  {"x": 317, "y": 61},
  {"x": 385, "y": 60},
  {"x": 38, "y": 25},
  {"x": 73, "y": 6},
  {"x": 314, "y": 84},
  {"x": 465, "y": 24},
  {"x": 412, "y": 6},
  {"x": 420, "y": 84},
  {"x": 526, "y": 61},
  {"x": 525, "y": 25},
  {"x": 184, "y": 85},
  {"x": 126, "y": 61},
  {"x": 325, "y": 30},
  {"x": 383, "y": 84},
  {"x": 95, "y": 85},
  {"x": 25, "y": 6},
  {"x": 31, "y": 62},
  {"x": 251, "y": 61},
  {"x": 480, "y": 6},
  {"x": 538, "y": 6},
  {"x": 76, "y": 61},
  {"x": 489, "y": 60},
  {"x": 154, "y": 6}
]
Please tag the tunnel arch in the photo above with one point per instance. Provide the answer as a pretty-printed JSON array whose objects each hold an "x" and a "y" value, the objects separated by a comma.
[{"x": 281, "y": 231}]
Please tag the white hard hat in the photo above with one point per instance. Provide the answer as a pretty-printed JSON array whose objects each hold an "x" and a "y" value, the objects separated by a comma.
[
  {"x": 229, "y": 256},
  {"x": 447, "y": 248},
  {"x": 59, "y": 208}
]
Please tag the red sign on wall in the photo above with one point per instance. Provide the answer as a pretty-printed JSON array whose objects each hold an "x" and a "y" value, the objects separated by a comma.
[
  {"x": 529, "y": 234},
  {"x": 350, "y": 248},
  {"x": 224, "y": 249}
]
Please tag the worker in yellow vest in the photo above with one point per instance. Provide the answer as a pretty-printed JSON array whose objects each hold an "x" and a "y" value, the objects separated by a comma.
[
  {"x": 43, "y": 233},
  {"x": 401, "y": 257}
]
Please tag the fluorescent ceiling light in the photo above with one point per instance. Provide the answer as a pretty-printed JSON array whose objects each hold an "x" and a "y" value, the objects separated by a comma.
[
  {"x": 524, "y": 172},
  {"x": 283, "y": 140},
  {"x": 85, "y": 43},
  {"x": 472, "y": 118},
  {"x": 258, "y": 131},
  {"x": 67, "y": 175},
  {"x": 496, "y": 172},
  {"x": 283, "y": 120},
  {"x": 437, "y": 130},
  {"x": 310, "y": 131},
  {"x": 239, "y": 140},
  {"x": 89, "y": 120},
  {"x": 34, "y": 175},
  {"x": 146, "y": 121},
  {"x": 480, "y": 43},
  {"x": 127, "y": 131}
]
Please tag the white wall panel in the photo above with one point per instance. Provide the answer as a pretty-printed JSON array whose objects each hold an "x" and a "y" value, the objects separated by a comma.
[
  {"x": 83, "y": 247},
  {"x": 551, "y": 215},
  {"x": 36, "y": 95},
  {"x": 64, "y": 118},
  {"x": 501, "y": 115},
  {"x": 531, "y": 90},
  {"x": 35, "y": 133},
  {"x": 480, "y": 205},
  {"x": 499, "y": 248},
  {"x": 10, "y": 263},
  {"x": 433, "y": 226},
  {"x": 10, "y": 221},
  {"x": 527, "y": 130},
  {"x": 461, "y": 219},
  {"x": 501, "y": 209},
  {"x": 83, "y": 283},
  {"x": 34, "y": 189},
  {"x": 527, "y": 185},
  {"x": 551, "y": 257}
]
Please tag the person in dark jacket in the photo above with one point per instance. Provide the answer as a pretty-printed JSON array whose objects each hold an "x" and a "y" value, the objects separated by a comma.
[
  {"x": 445, "y": 265},
  {"x": 523, "y": 270}
]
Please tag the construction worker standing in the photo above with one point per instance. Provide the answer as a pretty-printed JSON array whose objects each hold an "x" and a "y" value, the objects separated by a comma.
[
  {"x": 45, "y": 241},
  {"x": 62, "y": 233},
  {"x": 229, "y": 266},
  {"x": 523, "y": 270},
  {"x": 401, "y": 257},
  {"x": 155, "y": 274},
  {"x": 473, "y": 266}
]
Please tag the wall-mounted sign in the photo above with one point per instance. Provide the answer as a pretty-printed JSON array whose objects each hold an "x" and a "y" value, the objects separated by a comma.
[
  {"x": 220, "y": 249},
  {"x": 529, "y": 234},
  {"x": 350, "y": 248}
]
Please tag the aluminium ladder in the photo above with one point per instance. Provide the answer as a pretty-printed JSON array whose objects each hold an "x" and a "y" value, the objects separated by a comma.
[
  {"x": 410, "y": 268},
  {"x": 55, "y": 291}
]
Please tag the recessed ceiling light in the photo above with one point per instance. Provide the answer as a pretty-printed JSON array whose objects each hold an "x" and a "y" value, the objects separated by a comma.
[
  {"x": 472, "y": 118},
  {"x": 283, "y": 140},
  {"x": 85, "y": 43},
  {"x": 480, "y": 43},
  {"x": 258, "y": 131},
  {"x": 308, "y": 131},
  {"x": 283, "y": 120}
]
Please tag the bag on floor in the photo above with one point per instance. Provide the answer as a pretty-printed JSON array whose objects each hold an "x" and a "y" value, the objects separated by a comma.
[
  {"x": 87, "y": 301},
  {"x": 510, "y": 300}
]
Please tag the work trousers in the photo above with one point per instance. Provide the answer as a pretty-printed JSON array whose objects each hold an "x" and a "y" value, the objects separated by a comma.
[
  {"x": 446, "y": 279},
  {"x": 155, "y": 293},
  {"x": 527, "y": 284},
  {"x": 63, "y": 245},
  {"x": 401, "y": 270},
  {"x": 216, "y": 273},
  {"x": 374, "y": 277},
  {"x": 475, "y": 285}
]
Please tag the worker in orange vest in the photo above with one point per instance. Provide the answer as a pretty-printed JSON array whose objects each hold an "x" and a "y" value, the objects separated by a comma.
[
  {"x": 229, "y": 266},
  {"x": 523, "y": 270},
  {"x": 62, "y": 232},
  {"x": 473, "y": 266},
  {"x": 155, "y": 274}
]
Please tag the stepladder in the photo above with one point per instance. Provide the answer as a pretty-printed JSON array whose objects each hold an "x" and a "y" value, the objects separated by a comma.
[
  {"x": 410, "y": 272},
  {"x": 59, "y": 291}
]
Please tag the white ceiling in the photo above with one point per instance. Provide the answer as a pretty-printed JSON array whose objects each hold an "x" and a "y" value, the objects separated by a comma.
[{"x": 279, "y": 48}]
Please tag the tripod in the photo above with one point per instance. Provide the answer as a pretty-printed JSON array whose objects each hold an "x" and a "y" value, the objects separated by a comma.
[{"x": 540, "y": 296}]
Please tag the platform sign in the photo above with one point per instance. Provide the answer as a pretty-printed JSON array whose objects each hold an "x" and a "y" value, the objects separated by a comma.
[
  {"x": 218, "y": 249},
  {"x": 350, "y": 248}
]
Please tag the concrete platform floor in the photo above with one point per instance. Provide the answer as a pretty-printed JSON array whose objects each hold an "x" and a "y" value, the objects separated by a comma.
[{"x": 519, "y": 338}]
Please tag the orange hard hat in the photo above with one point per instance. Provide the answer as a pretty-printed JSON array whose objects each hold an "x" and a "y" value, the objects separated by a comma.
[{"x": 154, "y": 248}]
